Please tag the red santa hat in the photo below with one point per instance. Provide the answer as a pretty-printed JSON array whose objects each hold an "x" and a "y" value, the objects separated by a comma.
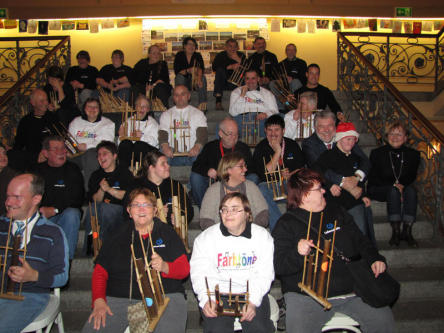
[{"x": 345, "y": 129}]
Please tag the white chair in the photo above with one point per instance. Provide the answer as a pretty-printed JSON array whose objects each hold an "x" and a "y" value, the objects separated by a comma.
[
  {"x": 341, "y": 322},
  {"x": 48, "y": 317},
  {"x": 274, "y": 314}
]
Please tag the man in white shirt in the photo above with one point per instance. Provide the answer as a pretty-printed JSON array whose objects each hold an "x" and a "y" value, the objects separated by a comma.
[
  {"x": 183, "y": 129},
  {"x": 252, "y": 102},
  {"x": 299, "y": 123}
]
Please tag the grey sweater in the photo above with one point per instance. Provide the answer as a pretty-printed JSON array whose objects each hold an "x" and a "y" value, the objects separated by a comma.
[{"x": 209, "y": 211}]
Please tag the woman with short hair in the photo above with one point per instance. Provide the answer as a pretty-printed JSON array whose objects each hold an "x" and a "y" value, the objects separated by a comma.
[
  {"x": 189, "y": 69},
  {"x": 306, "y": 203},
  {"x": 231, "y": 171},
  {"x": 114, "y": 283},
  {"x": 394, "y": 170},
  {"x": 237, "y": 255}
]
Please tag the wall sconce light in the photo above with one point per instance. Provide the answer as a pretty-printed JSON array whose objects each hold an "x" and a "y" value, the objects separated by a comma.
[{"x": 434, "y": 148}]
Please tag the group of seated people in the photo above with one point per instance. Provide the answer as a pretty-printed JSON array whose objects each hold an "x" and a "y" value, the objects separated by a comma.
[{"x": 237, "y": 191}]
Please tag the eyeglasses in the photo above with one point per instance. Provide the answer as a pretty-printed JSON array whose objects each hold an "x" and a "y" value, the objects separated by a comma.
[
  {"x": 232, "y": 210},
  {"x": 317, "y": 189},
  {"x": 242, "y": 166},
  {"x": 141, "y": 205}
]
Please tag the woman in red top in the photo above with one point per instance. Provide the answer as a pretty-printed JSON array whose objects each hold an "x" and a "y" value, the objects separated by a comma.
[{"x": 112, "y": 290}]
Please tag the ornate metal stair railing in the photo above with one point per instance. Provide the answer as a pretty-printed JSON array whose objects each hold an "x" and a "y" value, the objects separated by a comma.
[
  {"x": 23, "y": 62},
  {"x": 371, "y": 95},
  {"x": 406, "y": 60}
]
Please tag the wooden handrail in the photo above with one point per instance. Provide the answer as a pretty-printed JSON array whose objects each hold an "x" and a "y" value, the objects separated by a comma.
[
  {"x": 22, "y": 39},
  {"x": 389, "y": 34},
  {"x": 37, "y": 66},
  {"x": 406, "y": 104}
]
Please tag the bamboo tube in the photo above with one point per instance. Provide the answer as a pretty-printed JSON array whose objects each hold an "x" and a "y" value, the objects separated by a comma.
[
  {"x": 317, "y": 249},
  {"x": 324, "y": 268}
]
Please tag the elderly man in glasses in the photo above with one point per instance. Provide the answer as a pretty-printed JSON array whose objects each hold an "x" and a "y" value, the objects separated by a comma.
[{"x": 205, "y": 166}]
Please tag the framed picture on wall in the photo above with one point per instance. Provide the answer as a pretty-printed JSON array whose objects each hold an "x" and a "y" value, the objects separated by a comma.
[
  {"x": 212, "y": 35},
  {"x": 218, "y": 46}
]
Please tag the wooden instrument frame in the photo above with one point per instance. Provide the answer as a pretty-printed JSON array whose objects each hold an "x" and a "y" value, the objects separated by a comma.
[
  {"x": 318, "y": 288},
  {"x": 249, "y": 126},
  {"x": 135, "y": 166},
  {"x": 310, "y": 121},
  {"x": 155, "y": 103},
  {"x": 95, "y": 228},
  {"x": 129, "y": 128},
  {"x": 7, "y": 286},
  {"x": 185, "y": 133},
  {"x": 150, "y": 286},
  {"x": 70, "y": 141},
  {"x": 283, "y": 87},
  {"x": 237, "y": 76},
  {"x": 234, "y": 302},
  {"x": 180, "y": 213},
  {"x": 275, "y": 181},
  {"x": 109, "y": 102}
]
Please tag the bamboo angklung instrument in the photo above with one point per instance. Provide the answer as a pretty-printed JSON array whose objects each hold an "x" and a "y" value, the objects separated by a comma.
[
  {"x": 237, "y": 77},
  {"x": 53, "y": 99},
  {"x": 109, "y": 102},
  {"x": 150, "y": 287},
  {"x": 159, "y": 204},
  {"x": 250, "y": 128},
  {"x": 194, "y": 76},
  {"x": 275, "y": 181},
  {"x": 8, "y": 286},
  {"x": 130, "y": 123},
  {"x": 228, "y": 304},
  {"x": 180, "y": 132},
  {"x": 180, "y": 214},
  {"x": 317, "y": 286},
  {"x": 95, "y": 228},
  {"x": 70, "y": 141},
  {"x": 136, "y": 165}
]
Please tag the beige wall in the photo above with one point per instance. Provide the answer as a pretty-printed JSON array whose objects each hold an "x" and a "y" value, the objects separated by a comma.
[{"x": 319, "y": 47}]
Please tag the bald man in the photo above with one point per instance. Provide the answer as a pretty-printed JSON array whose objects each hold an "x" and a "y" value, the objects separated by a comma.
[
  {"x": 31, "y": 131},
  {"x": 46, "y": 265},
  {"x": 206, "y": 163},
  {"x": 190, "y": 132}
]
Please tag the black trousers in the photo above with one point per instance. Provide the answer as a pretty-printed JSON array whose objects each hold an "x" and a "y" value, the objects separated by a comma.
[{"x": 127, "y": 148}]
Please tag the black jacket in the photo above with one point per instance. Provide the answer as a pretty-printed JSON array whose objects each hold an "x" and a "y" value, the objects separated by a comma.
[
  {"x": 381, "y": 173},
  {"x": 63, "y": 186},
  {"x": 115, "y": 257},
  {"x": 211, "y": 155},
  {"x": 290, "y": 229}
]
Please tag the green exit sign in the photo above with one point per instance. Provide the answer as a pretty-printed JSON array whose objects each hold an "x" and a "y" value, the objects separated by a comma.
[
  {"x": 3, "y": 13},
  {"x": 403, "y": 12}
]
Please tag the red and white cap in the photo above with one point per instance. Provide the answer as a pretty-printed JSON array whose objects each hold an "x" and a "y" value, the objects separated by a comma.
[{"x": 345, "y": 129}]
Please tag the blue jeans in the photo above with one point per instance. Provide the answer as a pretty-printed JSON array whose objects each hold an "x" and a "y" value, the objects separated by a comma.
[
  {"x": 399, "y": 208},
  {"x": 110, "y": 216},
  {"x": 69, "y": 221},
  {"x": 364, "y": 221},
  {"x": 186, "y": 81},
  {"x": 124, "y": 93},
  {"x": 181, "y": 160},
  {"x": 243, "y": 131},
  {"x": 274, "y": 212},
  {"x": 16, "y": 315}
]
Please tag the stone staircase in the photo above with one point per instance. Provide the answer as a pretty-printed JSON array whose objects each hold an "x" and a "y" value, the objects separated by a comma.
[{"x": 420, "y": 271}]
